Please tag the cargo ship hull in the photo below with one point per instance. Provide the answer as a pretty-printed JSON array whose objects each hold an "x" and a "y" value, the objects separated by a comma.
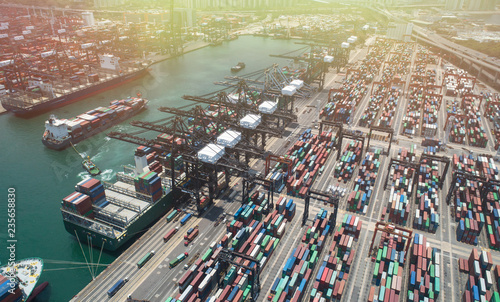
[
  {"x": 160, "y": 208},
  {"x": 33, "y": 110},
  {"x": 61, "y": 145}
]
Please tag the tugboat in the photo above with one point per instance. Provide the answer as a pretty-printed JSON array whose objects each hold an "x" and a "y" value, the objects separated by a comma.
[
  {"x": 90, "y": 167},
  {"x": 238, "y": 67}
]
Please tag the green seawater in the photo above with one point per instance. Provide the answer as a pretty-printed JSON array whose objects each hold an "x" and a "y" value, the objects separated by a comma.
[{"x": 42, "y": 177}]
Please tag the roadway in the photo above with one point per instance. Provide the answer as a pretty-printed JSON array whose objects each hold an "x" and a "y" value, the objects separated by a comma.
[{"x": 475, "y": 57}]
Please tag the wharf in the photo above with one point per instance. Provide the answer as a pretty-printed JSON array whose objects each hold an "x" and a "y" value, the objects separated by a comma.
[{"x": 155, "y": 281}]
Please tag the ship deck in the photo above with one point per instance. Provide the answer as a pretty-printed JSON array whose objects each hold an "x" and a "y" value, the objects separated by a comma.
[
  {"x": 64, "y": 86},
  {"x": 121, "y": 204},
  {"x": 27, "y": 271}
]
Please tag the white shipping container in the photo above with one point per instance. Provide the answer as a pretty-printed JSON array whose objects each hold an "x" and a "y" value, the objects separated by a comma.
[
  {"x": 281, "y": 229},
  {"x": 482, "y": 286},
  {"x": 218, "y": 293},
  {"x": 258, "y": 239},
  {"x": 263, "y": 262},
  {"x": 488, "y": 279},
  {"x": 47, "y": 53},
  {"x": 255, "y": 251},
  {"x": 185, "y": 295},
  {"x": 203, "y": 285},
  {"x": 349, "y": 244}
]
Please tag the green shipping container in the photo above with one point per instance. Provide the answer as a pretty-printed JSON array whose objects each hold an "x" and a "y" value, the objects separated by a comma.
[{"x": 375, "y": 271}]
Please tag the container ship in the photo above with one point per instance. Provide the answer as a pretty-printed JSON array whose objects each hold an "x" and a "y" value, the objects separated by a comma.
[
  {"x": 41, "y": 94},
  {"x": 61, "y": 133},
  {"x": 108, "y": 215},
  {"x": 18, "y": 280}
]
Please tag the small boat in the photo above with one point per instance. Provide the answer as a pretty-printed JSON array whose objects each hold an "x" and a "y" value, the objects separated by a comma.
[
  {"x": 90, "y": 167},
  {"x": 238, "y": 67}
]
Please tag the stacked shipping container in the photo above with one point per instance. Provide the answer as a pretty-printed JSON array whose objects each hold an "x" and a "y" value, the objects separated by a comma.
[
  {"x": 400, "y": 194},
  {"x": 389, "y": 109},
  {"x": 89, "y": 193},
  {"x": 424, "y": 282},
  {"x": 470, "y": 211},
  {"x": 388, "y": 271},
  {"x": 351, "y": 156},
  {"x": 492, "y": 113},
  {"x": 248, "y": 234},
  {"x": 359, "y": 199},
  {"x": 411, "y": 120},
  {"x": 309, "y": 155},
  {"x": 342, "y": 102},
  {"x": 479, "y": 286},
  {"x": 300, "y": 265},
  {"x": 492, "y": 213},
  {"x": 475, "y": 132},
  {"x": 430, "y": 109},
  {"x": 149, "y": 183},
  {"x": 374, "y": 104},
  {"x": 427, "y": 198},
  {"x": 332, "y": 276}
]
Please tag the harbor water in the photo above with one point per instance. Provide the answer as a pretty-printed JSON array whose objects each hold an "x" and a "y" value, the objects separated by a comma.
[{"x": 41, "y": 177}]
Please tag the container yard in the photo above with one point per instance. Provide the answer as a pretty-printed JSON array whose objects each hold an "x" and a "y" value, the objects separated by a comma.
[
  {"x": 254, "y": 248},
  {"x": 280, "y": 186},
  {"x": 252, "y": 238}
]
